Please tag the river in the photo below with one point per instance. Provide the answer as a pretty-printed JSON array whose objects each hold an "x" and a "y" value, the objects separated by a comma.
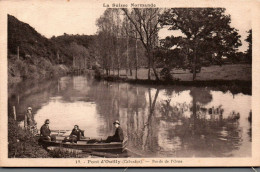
[{"x": 159, "y": 121}]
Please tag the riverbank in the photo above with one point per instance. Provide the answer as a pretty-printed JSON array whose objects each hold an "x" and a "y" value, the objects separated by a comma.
[
  {"x": 19, "y": 70},
  {"x": 225, "y": 72},
  {"x": 235, "y": 86},
  {"x": 23, "y": 144},
  {"x": 233, "y": 77}
]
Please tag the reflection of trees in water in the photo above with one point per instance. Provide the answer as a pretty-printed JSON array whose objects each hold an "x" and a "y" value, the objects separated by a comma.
[
  {"x": 142, "y": 124},
  {"x": 29, "y": 93},
  {"x": 204, "y": 132},
  {"x": 128, "y": 104},
  {"x": 199, "y": 134},
  {"x": 166, "y": 126}
]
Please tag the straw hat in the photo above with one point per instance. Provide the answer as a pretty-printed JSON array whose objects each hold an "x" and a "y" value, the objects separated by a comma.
[{"x": 116, "y": 122}]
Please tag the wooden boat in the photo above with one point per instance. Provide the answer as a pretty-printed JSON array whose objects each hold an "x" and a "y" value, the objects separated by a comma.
[{"x": 86, "y": 144}]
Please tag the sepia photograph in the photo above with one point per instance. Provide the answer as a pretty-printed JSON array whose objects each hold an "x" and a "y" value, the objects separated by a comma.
[{"x": 128, "y": 84}]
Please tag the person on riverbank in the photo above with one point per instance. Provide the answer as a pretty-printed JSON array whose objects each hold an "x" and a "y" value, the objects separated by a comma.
[
  {"x": 45, "y": 132},
  {"x": 118, "y": 136},
  {"x": 29, "y": 122}
]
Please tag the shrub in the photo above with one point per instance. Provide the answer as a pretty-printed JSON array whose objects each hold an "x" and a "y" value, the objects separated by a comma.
[
  {"x": 33, "y": 72},
  {"x": 22, "y": 144},
  {"x": 166, "y": 74},
  {"x": 61, "y": 153},
  {"x": 22, "y": 68},
  {"x": 97, "y": 73}
]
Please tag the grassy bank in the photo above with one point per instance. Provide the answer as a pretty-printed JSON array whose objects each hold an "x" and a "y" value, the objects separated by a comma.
[
  {"x": 22, "y": 144},
  {"x": 225, "y": 72},
  {"x": 235, "y": 78}
]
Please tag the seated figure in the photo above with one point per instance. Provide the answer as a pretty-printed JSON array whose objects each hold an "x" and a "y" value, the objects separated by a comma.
[
  {"x": 75, "y": 135},
  {"x": 45, "y": 132},
  {"x": 118, "y": 136}
]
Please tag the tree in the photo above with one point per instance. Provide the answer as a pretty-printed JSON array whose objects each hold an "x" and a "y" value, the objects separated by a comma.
[
  {"x": 126, "y": 32},
  {"x": 207, "y": 34},
  {"x": 106, "y": 40},
  {"x": 80, "y": 55},
  {"x": 249, "y": 50},
  {"x": 145, "y": 22}
]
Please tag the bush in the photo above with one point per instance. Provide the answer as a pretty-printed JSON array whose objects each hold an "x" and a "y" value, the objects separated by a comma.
[
  {"x": 61, "y": 153},
  {"x": 22, "y": 144},
  {"x": 22, "y": 68},
  {"x": 166, "y": 74},
  {"x": 33, "y": 72},
  {"x": 97, "y": 73}
]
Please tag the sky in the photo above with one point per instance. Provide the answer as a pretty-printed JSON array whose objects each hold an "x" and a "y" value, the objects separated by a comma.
[{"x": 54, "y": 18}]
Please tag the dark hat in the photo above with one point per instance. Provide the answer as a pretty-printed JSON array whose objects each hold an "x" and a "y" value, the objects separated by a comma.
[
  {"x": 116, "y": 122},
  {"x": 47, "y": 121}
]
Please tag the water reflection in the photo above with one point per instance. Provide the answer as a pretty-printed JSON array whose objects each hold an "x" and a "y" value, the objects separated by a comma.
[{"x": 159, "y": 122}]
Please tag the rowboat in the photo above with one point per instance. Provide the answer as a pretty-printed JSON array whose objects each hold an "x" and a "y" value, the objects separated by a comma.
[{"x": 86, "y": 144}]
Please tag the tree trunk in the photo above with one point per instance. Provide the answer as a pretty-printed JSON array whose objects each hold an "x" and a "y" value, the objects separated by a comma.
[
  {"x": 113, "y": 68},
  {"x": 155, "y": 74},
  {"x": 136, "y": 59},
  {"x": 74, "y": 62},
  {"x": 118, "y": 61},
  {"x": 154, "y": 69},
  {"x": 131, "y": 72},
  {"x": 107, "y": 71},
  {"x": 126, "y": 69},
  {"x": 149, "y": 65},
  {"x": 194, "y": 66},
  {"x": 18, "y": 55}
]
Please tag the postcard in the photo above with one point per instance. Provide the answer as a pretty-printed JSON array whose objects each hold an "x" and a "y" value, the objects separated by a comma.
[{"x": 129, "y": 83}]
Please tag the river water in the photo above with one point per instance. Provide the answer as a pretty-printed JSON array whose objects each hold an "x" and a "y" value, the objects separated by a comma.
[{"x": 165, "y": 121}]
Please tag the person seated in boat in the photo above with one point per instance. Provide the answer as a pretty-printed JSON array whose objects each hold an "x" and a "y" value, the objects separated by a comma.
[
  {"x": 75, "y": 135},
  {"x": 118, "y": 136},
  {"x": 45, "y": 132}
]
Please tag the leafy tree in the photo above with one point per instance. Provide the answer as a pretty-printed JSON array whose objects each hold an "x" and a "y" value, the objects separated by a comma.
[
  {"x": 249, "y": 50},
  {"x": 108, "y": 39},
  {"x": 207, "y": 34},
  {"x": 145, "y": 22}
]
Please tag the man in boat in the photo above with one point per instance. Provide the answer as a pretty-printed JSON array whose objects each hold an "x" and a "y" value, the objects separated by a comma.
[
  {"x": 75, "y": 135},
  {"x": 29, "y": 122},
  {"x": 45, "y": 131},
  {"x": 118, "y": 136}
]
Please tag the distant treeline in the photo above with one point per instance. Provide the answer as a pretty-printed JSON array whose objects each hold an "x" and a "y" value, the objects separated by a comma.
[
  {"x": 128, "y": 39},
  {"x": 31, "y": 55}
]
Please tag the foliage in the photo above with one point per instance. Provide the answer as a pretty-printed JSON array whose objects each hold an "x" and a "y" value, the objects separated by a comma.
[
  {"x": 249, "y": 50},
  {"x": 35, "y": 70},
  {"x": 65, "y": 43},
  {"x": 61, "y": 153},
  {"x": 166, "y": 74},
  {"x": 207, "y": 33},
  {"x": 41, "y": 57},
  {"x": 22, "y": 144},
  {"x": 97, "y": 73},
  {"x": 145, "y": 22},
  {"x": 108, "y": 42}
]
